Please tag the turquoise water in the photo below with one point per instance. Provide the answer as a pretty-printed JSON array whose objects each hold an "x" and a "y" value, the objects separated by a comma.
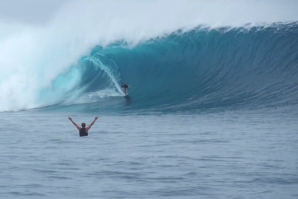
[{"x": 229, "y": 154}]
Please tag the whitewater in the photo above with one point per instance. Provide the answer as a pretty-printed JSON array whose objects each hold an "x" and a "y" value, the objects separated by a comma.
[{"x": 212, "y": 112}]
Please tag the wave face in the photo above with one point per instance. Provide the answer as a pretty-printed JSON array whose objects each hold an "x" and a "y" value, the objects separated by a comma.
[
  {"x": 199, "y": 69},
  {"x": 194, "y": 70}
]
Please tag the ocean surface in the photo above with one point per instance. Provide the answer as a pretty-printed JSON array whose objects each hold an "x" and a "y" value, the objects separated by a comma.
[
  {"x": 212, "y": 112},
  {"x": 226, "y": 154}
]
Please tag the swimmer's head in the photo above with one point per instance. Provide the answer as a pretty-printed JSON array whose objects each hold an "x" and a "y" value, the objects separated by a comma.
[{"x": 83, "y": 125}]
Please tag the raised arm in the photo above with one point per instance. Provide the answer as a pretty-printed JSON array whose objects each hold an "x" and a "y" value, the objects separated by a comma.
[
  {"x": 74, "y": 123},
  {"x": 92, "y": 123}
]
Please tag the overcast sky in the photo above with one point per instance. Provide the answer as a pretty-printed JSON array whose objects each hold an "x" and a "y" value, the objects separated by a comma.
[
  {"x": 29, "y": 11},
  {"x": 41, "y": 11}
]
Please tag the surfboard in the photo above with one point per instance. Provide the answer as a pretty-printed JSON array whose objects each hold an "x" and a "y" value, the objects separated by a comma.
[{"x": 127, "y": 98}]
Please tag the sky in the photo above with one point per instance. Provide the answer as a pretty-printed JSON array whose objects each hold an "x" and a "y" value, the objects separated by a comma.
[
  {"x": 41, "y": 11},
  {"x": 29, "y": 11}
]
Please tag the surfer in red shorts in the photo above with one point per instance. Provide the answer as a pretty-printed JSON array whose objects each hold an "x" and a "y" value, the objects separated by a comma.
[{"x": 83, "y": 130}]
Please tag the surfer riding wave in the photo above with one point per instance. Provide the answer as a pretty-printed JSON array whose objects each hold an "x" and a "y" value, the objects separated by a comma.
[{"x": 125, "y": 88}]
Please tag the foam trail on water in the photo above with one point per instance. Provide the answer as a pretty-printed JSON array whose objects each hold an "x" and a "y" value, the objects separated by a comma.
[
  {"x": 33, "y": 57},
  {"x": 98, "y": 64}
]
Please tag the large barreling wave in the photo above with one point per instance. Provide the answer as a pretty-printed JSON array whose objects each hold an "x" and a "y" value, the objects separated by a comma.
[{"x": 200, "y": 67}]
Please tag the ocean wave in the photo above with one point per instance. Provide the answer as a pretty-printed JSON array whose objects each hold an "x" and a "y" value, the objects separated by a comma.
[
  {"x": 199, "y": 69},
  {"x": 195, "y": 52}
]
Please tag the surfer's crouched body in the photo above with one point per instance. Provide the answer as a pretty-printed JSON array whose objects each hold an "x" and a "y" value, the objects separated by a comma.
[
  {"x": 83, "y": 130},
  {"x": 125, "y": 88}
]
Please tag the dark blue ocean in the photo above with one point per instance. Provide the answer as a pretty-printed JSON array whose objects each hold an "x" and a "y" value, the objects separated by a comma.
[{"x": 212, "y": 113}]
